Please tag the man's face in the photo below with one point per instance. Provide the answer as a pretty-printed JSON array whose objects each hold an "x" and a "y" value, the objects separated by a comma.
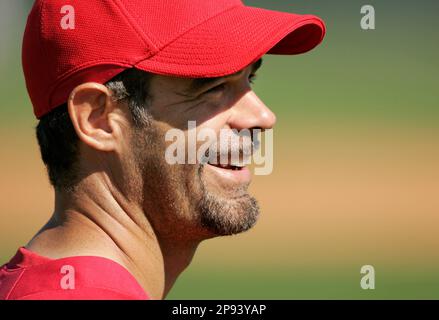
[{"x": 199, "y": 200}]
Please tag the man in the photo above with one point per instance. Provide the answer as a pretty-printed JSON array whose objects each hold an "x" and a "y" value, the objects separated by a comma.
[{"x": 108, "y": 80}]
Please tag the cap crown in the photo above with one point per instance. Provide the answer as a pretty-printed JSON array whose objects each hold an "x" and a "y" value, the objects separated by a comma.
[{"x": 69, "y": 42}]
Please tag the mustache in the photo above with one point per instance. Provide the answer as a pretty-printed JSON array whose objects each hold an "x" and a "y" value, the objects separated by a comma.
[{"x": 233, "y": 149}]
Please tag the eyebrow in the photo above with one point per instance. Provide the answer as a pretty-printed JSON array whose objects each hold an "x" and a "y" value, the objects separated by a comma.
[{"x": 198, "y": 84}]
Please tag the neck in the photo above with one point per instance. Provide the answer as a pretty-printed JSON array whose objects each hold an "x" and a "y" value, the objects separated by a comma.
[{"x": 97, "y": 220}]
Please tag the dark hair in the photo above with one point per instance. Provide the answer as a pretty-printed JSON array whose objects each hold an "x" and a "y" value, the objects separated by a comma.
[{"x": 57, "y": 137}]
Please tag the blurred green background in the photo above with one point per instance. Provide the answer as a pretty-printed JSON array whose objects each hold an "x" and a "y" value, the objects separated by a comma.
[{"x": 355, "y": 181}]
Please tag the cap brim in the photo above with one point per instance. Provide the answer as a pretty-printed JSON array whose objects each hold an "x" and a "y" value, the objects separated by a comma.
[{"x": 232, "y": 40}]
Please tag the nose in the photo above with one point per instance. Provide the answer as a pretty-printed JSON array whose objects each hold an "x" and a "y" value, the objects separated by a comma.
[{"x": 250, "y": 112}]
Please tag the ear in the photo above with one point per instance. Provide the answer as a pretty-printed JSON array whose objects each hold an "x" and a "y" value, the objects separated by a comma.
[{"x": 91, "y": 111}]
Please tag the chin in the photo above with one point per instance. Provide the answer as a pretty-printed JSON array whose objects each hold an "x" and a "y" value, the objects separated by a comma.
[
  {"x": 223, "y": 216},
  {"x": 224, "y": 208}
]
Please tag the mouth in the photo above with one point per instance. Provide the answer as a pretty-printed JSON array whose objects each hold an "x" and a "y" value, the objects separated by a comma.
[
  {"x": 230, "y": 173},
  {"x": 226, "y": 166}
]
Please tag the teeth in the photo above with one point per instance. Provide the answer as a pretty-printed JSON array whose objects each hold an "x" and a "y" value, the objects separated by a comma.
[
  {"x": 227, "y": 166},
  {"x": 215, "y": 159},
  {"x": 237, "y": 164}
]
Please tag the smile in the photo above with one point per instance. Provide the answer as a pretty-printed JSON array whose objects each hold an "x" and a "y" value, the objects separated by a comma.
[
  {"x": 230, "y": 173},
  {"x": 227, "y": 166}
]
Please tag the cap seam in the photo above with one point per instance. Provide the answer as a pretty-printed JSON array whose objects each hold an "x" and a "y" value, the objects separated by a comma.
[
  {"x": 119, "y": 63},
  {"x": 297, "y": 24},
  {"x": 190, "y": 29},
  {"x": 132, "y": 23}
]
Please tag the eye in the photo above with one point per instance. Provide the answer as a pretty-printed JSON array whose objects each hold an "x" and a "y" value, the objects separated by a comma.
[
  {"x": 216, "y": 89},
  {"x": 222, "y": 86},
  {"x": 252, "y": 78}
]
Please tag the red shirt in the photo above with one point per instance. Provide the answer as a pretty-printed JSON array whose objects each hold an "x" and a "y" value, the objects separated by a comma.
[{"x": 29, "y": 276}]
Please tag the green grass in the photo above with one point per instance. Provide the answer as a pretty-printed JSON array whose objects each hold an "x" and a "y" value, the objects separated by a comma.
[{"x": 257, "y": 282}]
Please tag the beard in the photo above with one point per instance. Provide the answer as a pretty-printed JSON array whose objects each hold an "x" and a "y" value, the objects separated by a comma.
[
  {"x": 223, "y": 215},
  {"x": 181, "y": 202}
]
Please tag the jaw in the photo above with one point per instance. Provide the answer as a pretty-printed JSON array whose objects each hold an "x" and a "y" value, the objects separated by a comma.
[
  {"x": 226, "y": 208},
  {"x": 197, "y": 202}
]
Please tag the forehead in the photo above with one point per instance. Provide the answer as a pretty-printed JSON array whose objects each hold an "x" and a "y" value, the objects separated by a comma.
[{"x": 191, "y": 85}]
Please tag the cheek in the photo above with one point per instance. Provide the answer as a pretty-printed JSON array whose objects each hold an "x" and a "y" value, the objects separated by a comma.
[
  {"x": 207, "y": 111},
  {"x": 215, "y": 122},
  {"x": 147, "y": 146},
  {"x": 213, "y": 113}
]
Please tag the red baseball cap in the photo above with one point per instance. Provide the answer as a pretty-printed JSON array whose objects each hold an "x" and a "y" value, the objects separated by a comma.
[{"x": 68, "y": 42}]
